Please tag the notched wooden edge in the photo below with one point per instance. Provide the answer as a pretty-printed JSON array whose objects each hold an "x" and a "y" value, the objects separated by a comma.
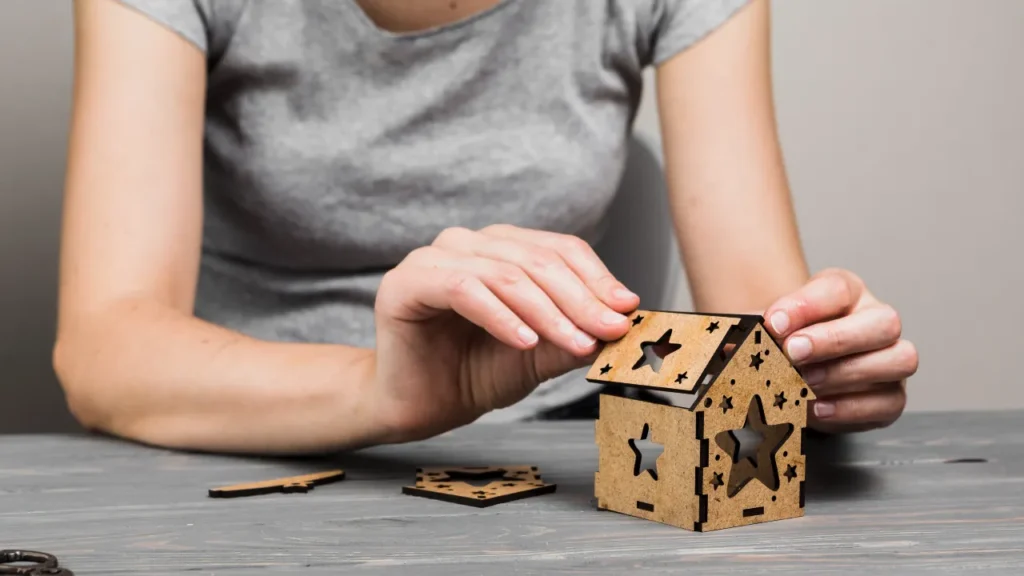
[
  {"x": 456, "y": 499},
  {"x": 303, "y": 483}
]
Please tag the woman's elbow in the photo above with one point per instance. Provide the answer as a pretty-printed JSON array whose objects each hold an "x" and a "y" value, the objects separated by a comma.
[{"x": 84, "y": 398}]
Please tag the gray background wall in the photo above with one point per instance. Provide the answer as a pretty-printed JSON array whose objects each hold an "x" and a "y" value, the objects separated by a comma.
[{"x": 903, "y": 130}]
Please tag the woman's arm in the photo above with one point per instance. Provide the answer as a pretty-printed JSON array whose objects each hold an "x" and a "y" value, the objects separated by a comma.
[
  {"x": 132, "y": 358},
  {"x": 728, "y": 192},
  {"x": 738, "y": 235}
]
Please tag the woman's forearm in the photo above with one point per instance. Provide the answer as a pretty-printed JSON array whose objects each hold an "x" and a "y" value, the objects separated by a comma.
[{"x": 147, "y": 372}]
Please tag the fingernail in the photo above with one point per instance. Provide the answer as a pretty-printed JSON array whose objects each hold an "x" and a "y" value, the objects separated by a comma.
[
  {"x": 527, "y": 336},
  {"x": 814, "y": 376},
  {"x": 824, "y": 409},
  {"x": 584, "y": 340},
  {"x": 624, "y": 294},
  {"x": 780, "y": 322},
  {"x": 799, "y": 348},
  {"x": 610, "y": 317}
]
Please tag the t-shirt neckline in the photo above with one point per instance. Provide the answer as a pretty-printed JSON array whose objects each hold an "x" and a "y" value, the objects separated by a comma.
[{"x": 368, "y": 25}]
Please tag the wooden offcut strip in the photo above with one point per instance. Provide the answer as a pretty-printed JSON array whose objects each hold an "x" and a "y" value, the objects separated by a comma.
[{"x": 303, "y": 483}]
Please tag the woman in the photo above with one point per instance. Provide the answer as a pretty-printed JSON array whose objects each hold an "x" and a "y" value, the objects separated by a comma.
[{"x": 313, "y": 225}]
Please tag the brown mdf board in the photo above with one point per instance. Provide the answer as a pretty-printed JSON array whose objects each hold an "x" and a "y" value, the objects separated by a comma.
[
  {"x": 479, "y": 486},
  {"x": 623, "y": 483},
  {"x": 761, "y": 391},
  {"x": 734, "y": 458},
  {"x": 666, "y": 350},
  {"x": 303, "y": 483}
]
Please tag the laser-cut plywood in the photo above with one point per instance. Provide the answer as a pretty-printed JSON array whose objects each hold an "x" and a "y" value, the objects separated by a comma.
[
  {"x": 707, "y": 477},
  {"x": 303, "y": 483},
  {"x": 479, "y": 486}
]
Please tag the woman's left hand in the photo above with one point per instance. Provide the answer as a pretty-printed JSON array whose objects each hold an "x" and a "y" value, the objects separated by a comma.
[{"x": 848, "y": 346}]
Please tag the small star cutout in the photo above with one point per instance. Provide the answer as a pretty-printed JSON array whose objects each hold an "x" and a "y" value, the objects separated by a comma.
[
  {"x": 790, "y": 472},
  {"x": 638, "y": 320},
  {"x": 712, "y": 327},
  {"x": 726, "y": 404},
  {"x": 680, "y": 378},
  {"x": 716, "y": 480},
  {"x": 780, "y": 400},
  {"x": 606, "y": 368},
  {"x": 756, "y": 361}
]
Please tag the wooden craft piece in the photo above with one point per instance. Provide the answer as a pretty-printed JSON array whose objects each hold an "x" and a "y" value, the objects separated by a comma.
[
  {"x": 479, "y": 486},
  {"x": 303, "y": 483},
  {"x": 734, "y": 457},
  {"x": 670, "y": 351}
]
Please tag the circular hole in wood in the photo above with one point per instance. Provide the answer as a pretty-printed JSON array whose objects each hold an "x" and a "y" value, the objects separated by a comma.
[
  {"x": 768, "y": 383},
  {"x": 707, "y": 403},
  {"x": 732, "y": 381},
  {"x": 784, "y": 454},
  {"x": 718, "y": 457},
  {"x": 803, "y": 393},
  {"x": 767, "y": 352},
  {"x": 797, "y": 403},
  {"x": 773, "y": 498}
]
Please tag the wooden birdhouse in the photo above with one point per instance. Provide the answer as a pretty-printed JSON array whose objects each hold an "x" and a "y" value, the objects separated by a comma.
[{"x": 732, "y": 445}]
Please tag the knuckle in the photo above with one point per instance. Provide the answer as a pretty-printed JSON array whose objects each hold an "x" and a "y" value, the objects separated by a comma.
[
  {"x": 421, "y": 256},
  {"x": 892, "y": 325},
  {"x": 577, "y": 246},
  {"x": 459, "y": 285},
  {"x": 506, "y": 275},
  {"x": 543, "y": 259},
  {"x": 908, "y": 357},
  {"x": 451, "y": 235},
  {"x": 498, "y": 229},
  {"x": 834, "y": 339}
]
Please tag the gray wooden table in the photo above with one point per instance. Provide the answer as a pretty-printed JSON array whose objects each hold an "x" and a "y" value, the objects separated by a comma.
[{"x": 897, "y": 501}]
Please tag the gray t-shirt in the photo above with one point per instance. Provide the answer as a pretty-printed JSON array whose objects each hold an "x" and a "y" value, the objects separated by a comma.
[{"x": 334, "y": 148}]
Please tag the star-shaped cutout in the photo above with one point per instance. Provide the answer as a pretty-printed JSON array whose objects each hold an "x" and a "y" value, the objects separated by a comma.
[
  {"x": 638, "y": 453},
  {"x": 756, "y": 361},
  {"x": 680, "y": 378},
  {"x": 753, "y": 449},
  {"x": 606, "y": 368},
  {"x": 726, "y": 404},
  {"x": 653, "y": 353},
  {"x": 780, "y": 400},
  {"x": 716, "y": 480},
  {"x": 712, "y": 327},
  {"x": 790, "y": 472},
  {"x": 638, "y": 320}
]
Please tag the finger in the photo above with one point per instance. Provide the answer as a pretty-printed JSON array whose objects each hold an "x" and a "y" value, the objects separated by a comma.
[
  {"x": 581, "y": 258},
  {"x": 518, "y": 292},
  {"x": 862, "y": 331},
  {"x": 828, "y": 295},
  {"x": 881, "y": 406},
  {"x": 550, "y": 272},
  {"x": 433, "y": 289},
  {"x": 861, "y": 372}
]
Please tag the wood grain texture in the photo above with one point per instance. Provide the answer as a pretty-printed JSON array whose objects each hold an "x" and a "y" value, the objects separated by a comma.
[
  {"x": 884, "y": 502},
  {"x": 698, "y": 336},
  {"x": 758, "y": 377},
  {"x": 619, "y": 486}
]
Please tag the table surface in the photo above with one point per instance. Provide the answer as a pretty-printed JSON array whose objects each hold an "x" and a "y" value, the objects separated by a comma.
[{"x": 893, "y": 501}]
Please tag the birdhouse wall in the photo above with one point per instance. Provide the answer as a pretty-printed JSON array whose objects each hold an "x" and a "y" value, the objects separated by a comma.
[
  {"x": 622, "y": 482},
  {"x": 761, "y": 386}
]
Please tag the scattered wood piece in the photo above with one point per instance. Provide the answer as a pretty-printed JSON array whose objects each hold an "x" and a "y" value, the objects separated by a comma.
[
  {"x": 479, "y": 486},
  {"x": 303, "y": 483}
]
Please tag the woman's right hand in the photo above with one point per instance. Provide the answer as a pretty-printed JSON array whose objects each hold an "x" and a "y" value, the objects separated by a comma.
[{"x": 475, "y": 321}]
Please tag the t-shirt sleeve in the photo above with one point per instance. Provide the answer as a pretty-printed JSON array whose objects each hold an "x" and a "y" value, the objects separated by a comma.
[
  {"x": 185, "y": 17},
  {"x": 678, "y": 24}
]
